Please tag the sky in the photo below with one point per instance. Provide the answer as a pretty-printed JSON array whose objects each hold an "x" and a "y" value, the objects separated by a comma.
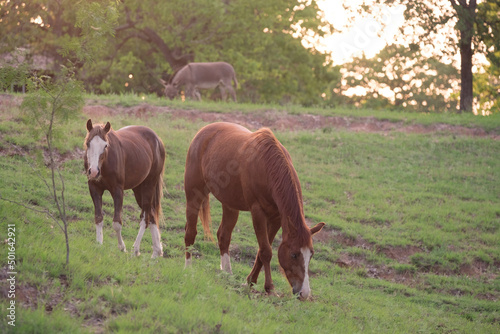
[{"x": 364, "y": 35}]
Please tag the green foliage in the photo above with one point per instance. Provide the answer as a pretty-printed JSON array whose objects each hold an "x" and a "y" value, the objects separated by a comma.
[
  {"x": 50, "y": 104},
  {"x": 400, "y": 76},
  {"x": 487, "y": 85},
  {"x": 11, "y": 76}
]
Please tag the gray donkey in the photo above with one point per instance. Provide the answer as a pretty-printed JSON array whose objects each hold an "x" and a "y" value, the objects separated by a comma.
[{"x": 195, "y": 76}]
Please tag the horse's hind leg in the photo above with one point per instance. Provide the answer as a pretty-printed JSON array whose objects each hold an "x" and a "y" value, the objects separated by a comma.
[
  {"x": 229, "y": 219},
  {"x": 143, "y": 195},
  {"x": 156, "y": 238},
  {"x": 142, "y": 228},
  {"x": 195, "y": 197}
]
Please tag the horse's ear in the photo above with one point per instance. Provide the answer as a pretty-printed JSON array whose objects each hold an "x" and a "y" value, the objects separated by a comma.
[
  {"x": 317, "y": 228},
  {"x": 107, "y": 127},
  {"x": 89, "y": 125}
]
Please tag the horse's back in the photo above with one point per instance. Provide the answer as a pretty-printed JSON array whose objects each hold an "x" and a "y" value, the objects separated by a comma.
[
  {"x": 143, "y": 154},
  {"x": 221, "y": 158}
]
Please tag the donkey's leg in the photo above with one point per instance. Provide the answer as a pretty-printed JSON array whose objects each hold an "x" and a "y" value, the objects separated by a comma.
[
  {"x": 223, "y": 92},
  {"x": 197, "y": 94},
  {"x": 232, "y": 92},
  {"x": 229, "y": 219},
  {"x": 265, "y": 251},
  {"x": 96, "y": 195},
  {"x": 117, "y": 195},
  {"x": 142, "y": 228}
]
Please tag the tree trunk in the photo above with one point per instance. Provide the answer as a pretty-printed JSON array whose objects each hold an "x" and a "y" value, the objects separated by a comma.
[
  {"x": 466, "y": 13},
  {"x": 466, "y": 77}
]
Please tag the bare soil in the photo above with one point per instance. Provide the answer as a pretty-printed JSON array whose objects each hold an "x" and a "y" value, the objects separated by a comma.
[{"x": 282, "y": 121}]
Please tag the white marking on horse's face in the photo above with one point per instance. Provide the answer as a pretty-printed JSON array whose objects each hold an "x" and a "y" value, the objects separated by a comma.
[
  {"x": 305, "y": 292},
  {"x": 95, "y": 149}
]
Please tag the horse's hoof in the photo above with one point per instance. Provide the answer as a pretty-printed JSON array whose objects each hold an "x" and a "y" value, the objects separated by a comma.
[{"x": 154, "y": 255}]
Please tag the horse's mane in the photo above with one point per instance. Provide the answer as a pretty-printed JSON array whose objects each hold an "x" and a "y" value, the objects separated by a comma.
[{"x": 283, "y": 180}]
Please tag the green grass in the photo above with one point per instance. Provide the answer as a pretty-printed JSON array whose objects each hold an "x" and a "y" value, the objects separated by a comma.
[{"x": 411, "y": 242}]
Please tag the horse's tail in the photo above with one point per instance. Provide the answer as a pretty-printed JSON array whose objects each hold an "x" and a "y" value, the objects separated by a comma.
[
  {"x": 206, "y": 220},
  {"x": 156, "y": 202},
  {"x": 158, "y": 190}
]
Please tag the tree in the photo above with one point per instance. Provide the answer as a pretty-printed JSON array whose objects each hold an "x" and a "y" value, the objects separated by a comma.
[
  {"x": 400, "y": 76},
  {"x": 262, "y": 39},
  {"x": 425, "y": 20},
  {"x": 466, "y": 13},
  {"x": 51, "y": 101},
  {"x": 48, "y": 105},
  {"x": 488, "y": 83}
]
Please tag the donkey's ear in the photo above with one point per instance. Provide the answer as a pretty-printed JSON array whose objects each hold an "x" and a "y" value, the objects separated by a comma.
[
  {"x": 89, "y": 125},
  {"x": 317, "y": 228},
  {"x": 163, "y": 82},
  {"x": 107, "y": 127}
]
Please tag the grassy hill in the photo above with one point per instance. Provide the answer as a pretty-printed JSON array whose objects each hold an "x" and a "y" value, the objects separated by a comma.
[{"x": 411, "y": 203}]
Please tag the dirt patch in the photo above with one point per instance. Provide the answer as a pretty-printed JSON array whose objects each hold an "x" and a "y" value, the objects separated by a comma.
[
  {"x": 276, "y": 120},
  {"x": 401, "y": 253},
  {"x": 404, "y": 274},
  {"x": 282, "y": 121}
]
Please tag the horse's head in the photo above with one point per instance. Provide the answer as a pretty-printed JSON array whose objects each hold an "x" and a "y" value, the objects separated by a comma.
[
  {"x": 294, "y": 255},
  {"x": 96, "y": 144},
  {"x": 171, "y": 90}
]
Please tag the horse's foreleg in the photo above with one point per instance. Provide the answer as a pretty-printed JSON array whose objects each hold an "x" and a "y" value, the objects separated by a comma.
[
  {"x": 229, "y": 219},
  {"x": 265, "y": 251},
  {"x": 142, "y": 228},
  {"x": 273, "y": 227},
  {"x": 98, "y": 214},
  {"x": 117, "y": 218}
]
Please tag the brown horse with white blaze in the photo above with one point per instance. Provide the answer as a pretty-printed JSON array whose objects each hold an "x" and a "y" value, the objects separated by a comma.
[
  {"x": 249, "y": 171},
  {"x": 130, "y": 158}
]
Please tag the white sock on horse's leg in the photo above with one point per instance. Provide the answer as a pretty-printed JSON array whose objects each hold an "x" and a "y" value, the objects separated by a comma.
[
  {"x": 118, "y": 228},
  {"x": 137, "y": 243},
  {"x": 225, "y": 263},
  {"x": 98, "y": 232},
  {"x": 155, "y": 236}
]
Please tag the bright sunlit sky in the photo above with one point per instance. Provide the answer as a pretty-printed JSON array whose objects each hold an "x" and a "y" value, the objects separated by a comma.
[{"x": 364, "y": 36}]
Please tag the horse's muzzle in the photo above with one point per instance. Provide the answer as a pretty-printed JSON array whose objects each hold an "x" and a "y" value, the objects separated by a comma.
[{"x": 93, "y": 174}]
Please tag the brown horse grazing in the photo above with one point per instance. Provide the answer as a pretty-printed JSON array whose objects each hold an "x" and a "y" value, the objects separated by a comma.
[
  {"x": 252, "y": 172},
  {"x": 130, "y": 158}
]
